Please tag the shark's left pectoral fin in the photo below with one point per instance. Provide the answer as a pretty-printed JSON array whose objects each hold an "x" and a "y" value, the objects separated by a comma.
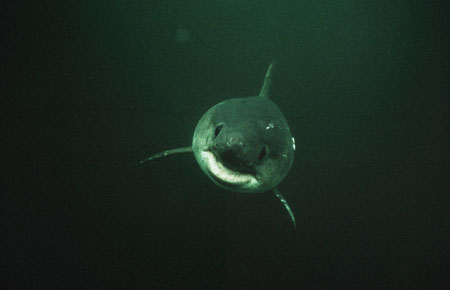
[
  {"x": 278, "y": 194},
  {"x": 168, "y": 152}
]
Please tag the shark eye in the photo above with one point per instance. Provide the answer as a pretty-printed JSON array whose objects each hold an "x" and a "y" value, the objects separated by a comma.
[
  {"x": 262, "y": 153},
  {"x": 217, "y": 130}
]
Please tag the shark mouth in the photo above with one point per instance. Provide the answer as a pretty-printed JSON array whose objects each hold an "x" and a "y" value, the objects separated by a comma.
[{"x": 224, "y": 174}]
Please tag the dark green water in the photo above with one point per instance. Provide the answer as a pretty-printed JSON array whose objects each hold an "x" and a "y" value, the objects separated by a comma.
[{"x": 89, "y": 88}]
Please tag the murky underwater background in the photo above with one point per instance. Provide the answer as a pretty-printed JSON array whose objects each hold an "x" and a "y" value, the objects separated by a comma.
[{"x": 90, "y": 88}]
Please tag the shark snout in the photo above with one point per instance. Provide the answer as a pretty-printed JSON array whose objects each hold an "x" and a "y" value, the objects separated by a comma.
[{"x": 234, "y": 154}]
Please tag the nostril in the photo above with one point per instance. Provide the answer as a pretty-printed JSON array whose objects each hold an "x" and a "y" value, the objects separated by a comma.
[
  {"x": 262, "y": 153},
  {"x": 217, "y": 130}
]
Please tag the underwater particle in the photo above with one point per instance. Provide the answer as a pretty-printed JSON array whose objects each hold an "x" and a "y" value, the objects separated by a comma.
[{"x": 182, "y": 35}]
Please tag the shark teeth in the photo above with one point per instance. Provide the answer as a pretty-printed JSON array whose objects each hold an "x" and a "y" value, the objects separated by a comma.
[{"x": 217, "y": 169}]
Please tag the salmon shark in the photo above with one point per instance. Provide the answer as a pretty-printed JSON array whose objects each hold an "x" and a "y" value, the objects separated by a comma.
[{"x": 243, "y": 144}]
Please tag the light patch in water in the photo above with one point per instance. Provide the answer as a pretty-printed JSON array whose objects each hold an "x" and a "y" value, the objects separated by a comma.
[{"x": 182, "y": 35}]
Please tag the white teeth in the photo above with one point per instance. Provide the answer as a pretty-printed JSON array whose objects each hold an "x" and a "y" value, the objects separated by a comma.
[{"x": 221, "y": 172}]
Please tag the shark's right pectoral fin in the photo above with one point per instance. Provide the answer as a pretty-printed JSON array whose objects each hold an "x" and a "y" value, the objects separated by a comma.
[
  {"x": 168, "y": 152},
  {"x": 278, "y": 194}
]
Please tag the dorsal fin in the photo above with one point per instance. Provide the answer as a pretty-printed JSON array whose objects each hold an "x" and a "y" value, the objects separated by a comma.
[{"x": 267, "y": 81}]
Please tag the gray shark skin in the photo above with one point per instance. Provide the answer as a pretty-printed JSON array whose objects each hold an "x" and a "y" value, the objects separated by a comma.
[{"x": 243, "y": 144}]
